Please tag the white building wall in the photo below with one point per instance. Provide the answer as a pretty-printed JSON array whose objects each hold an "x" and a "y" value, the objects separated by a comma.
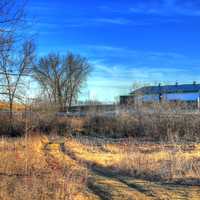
[
  {"x": 146, "y": 98},
  {"x": 170, "y": 97},
  {"x": 151, "y": 98},
  {"x": 181, "y": 96}
]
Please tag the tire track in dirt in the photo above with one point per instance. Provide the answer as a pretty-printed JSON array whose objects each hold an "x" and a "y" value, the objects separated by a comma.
[
  {"x": 54, "y": 147},
  {"x": 106, "y": 184},
  {"x": 141, "y": 189}
]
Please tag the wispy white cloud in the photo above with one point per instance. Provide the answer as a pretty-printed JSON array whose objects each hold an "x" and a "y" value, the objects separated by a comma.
[
  {"x": 142, "y": 65},
  {"x": 119, "y": 21},
  {"x": 50, "y": 16},
  {"x": 157, "y": 7},
  {"x": 88, "y": 22},
  {"x": 119, "y": 80},
  {"x": 104, "y": 51}
]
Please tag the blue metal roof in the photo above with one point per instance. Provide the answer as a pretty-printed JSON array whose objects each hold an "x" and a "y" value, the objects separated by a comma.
[{"x": 184, "y": 88}]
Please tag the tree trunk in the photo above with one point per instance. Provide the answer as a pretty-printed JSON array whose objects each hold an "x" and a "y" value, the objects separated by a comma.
[{"x": 11, "y": 111}]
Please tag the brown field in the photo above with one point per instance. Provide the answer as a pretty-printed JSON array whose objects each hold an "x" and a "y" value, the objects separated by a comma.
[
  {"x": 16, "y": 107},
  {"x": 39, "y": 167}
]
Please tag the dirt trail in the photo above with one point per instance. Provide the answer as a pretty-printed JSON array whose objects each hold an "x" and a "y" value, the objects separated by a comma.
[
  {"x": 53, "y": 152},
  {"x": 108, "y": 185}
]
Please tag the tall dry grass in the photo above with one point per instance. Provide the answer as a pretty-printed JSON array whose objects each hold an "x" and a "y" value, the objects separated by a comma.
[
  {"x": 161, "y": 162},
  {"x": 157, "y": 122},
  {"x": 28, "y": 172},
  {"x": 152, "y": 161}
]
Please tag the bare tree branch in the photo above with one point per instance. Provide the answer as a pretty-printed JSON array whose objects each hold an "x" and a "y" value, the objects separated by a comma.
[
  {"x": 21, "y": 65},
  {"x": 62, "y": 77}
]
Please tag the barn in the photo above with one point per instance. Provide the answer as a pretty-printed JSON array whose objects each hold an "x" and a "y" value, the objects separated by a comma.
[{"x": 188, "y": 93}]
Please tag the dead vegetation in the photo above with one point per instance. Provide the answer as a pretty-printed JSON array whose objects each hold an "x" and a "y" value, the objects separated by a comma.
[
  {"x": 156, "y": 171},
  {"x": 29, "y": 171},
  {"x": 36, "y": 167},
  {"x": 138, "y": 155},
  {"x": 156, "y": 122},
  {"x": 157, "y": 162}
]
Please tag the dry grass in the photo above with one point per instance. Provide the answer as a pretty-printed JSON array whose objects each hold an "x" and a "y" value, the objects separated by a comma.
[
  {"x": 16, "y": 107},
  {"x": 28, "y": 171},
  {"x": 35, "y": 168},
  {"x": 169, "y": 162},
  {"x": 151, "y": 171},
  {"x": 162, "y": 162}
]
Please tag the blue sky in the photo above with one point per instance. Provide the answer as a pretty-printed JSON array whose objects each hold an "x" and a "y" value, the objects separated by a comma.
[{"x": 127, "y": 42}]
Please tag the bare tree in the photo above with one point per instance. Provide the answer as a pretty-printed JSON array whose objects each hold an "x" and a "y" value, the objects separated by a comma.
[
  {"x": 16, "y": 54},
  {"x": 13, "y": 68},
  {"x": 12, "y": 15},
  {"x": 62, "y": 77}
]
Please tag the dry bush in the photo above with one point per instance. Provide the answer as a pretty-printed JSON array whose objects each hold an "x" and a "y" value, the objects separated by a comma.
[
  {"x": 110, "y": 126},
  {"x": 160, "y": 122},
  {"x": 16, "y": 128},
  {"x": 67, "y": 126}
]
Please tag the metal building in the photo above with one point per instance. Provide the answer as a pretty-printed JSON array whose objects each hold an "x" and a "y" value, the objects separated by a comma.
[{"x": 189, "y": 93}]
